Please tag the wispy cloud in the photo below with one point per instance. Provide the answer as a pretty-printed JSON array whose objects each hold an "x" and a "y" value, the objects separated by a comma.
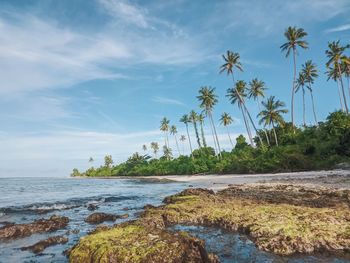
[
  {"x": 340, "y": 28},
  {"x": 163, "y": 100}
]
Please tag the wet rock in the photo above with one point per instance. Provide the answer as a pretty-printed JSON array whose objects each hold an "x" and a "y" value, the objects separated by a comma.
[
  {"x": 148, "y": 206},
  {"x": 189, "y": 192},
  {"x": 125, "y": 209},
  {"x": 97, "y": 218},
  {"x": 131, "y": 242},
  {"x": 92, "y": 207},
  {"x": 43, "y": 244},
  {"x": 39, "y": 226}
]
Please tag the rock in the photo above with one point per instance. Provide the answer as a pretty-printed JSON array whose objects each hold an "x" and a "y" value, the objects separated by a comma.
[
  {"x": 43, "y": 244},
  {"x": 125, "y": 209},
  {"x": 97, "y": 218},
  {"x": 190, "y": 186},
  {"x": 130, "y": 242},
  {"x": 148, "y": 206},
  {"x": 189, "y": 192},
  {"x": 92, "y": 207},
  {"x": 343, "y": 166},
  {"x": 39, "y": 226}
]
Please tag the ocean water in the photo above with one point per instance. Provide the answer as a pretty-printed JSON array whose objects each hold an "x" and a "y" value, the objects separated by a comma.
[{"x": 23, "y": 200}]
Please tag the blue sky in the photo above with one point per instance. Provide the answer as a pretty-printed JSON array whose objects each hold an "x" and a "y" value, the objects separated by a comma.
[{"x": 87, "y": 78}]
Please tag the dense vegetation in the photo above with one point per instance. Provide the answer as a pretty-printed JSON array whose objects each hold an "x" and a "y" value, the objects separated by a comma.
[{"x": 276, "y": 146}]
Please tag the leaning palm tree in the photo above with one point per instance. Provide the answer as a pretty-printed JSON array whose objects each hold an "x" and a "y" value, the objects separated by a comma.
[
  {"x": 208, "y": 99},
  {"x": 333, "y": 74},
  {"x": 256, "y": 91},
  {"x": 336, "y": 57},
  {"x": 164, "y": 127},
  {"x": 194, "y": 118},
  {"x": 232, "y": 62},
  {"x": 201, "y": 122},
  {"x": 173, "y": 131},
  {"x": 236, "y": 95},
  {"x": 227, "y": 120},
  {"x": 155, "y": 148},
  {"x": 294, "y": 38},
  {"x": 300, "y": 85},
  {"x": 271, "y": 115},
  {"x": 309, "y": 70},
  {"x": 185, "y": 119},
  {"x": 183, "y": 139}
]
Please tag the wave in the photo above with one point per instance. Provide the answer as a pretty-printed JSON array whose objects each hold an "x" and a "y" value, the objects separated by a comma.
[{"x": 46, "y": 207}]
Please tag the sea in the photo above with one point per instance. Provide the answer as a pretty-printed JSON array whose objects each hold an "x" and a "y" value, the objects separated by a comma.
[{"x": 23, "y": 200}]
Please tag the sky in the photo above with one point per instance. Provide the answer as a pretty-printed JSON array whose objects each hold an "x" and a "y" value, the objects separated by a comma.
[{"x": 82, "y": 79}]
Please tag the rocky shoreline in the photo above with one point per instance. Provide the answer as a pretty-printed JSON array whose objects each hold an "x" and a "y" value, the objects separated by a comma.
[{"x": 284, "y": 219}]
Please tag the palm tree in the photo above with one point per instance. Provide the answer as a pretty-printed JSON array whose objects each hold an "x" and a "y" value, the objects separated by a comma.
[
  {"x": 301, "y": 85},
  {"x": 346, "y": 71},
  {"x": 144, "y": 147},
  {"x": 183, "y": 139},
  {"x": 294, "y": 38},
  {"x": 232, "y": 61},
  {"x": 236, "y": 95},
  {"x": 194, "y": 118},
  {"x": 155, "y": 148},
  {"x": 201, "y": 122},
  {"x": 309, "y": 71},
  {"x": 227, "y": 120},
  {"x": 173, "y": 131},
  {"x": 256, "y": 90},
  {"x": 271, "y": 115},
  {"x": 167, "y": 152},
  {"x": 333, "y": 74},
  {"x": 164, "y": 127},
  {"x": 91, "y": 160},
  {"x": 185, "y": 119},
  {"x": 208, "y": 99},
  {"x": 336, "y": 57}
]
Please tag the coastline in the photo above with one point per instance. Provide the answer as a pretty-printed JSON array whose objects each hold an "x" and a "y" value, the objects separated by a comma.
[{"x": 221, "y": 181}]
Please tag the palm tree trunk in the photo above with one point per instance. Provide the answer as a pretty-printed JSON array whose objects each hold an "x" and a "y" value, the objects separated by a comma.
[
  {"x": 212, "y": 132},
  {"x": 264, "y": 129},
  {"x": 342, "y": 87},
  {"x": 189, "y": 139},
  {"x": 293, "y": 86},
  {"x": 196, "y": 132},
  {"x": 167, "y": 140},
  {"x": 203, "y": 137},
  {"x": 274, "y": 132},
  {"x": 348, "y": 80},
  {"x": 228, "y": 133},
  {"x": 251, "y": 120},
  {"x": 216, "y": 135},
  {"x": 247, "y": 127},
  {"x": 304, "y": 121},
  {"x": 339, "y": 93},
  {"x": 183, "y": 148},
  {"x": 313, "y": 105},
  {"x": 177, "y": 144}
]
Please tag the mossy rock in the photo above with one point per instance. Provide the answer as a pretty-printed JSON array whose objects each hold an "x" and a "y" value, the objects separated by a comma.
[{"x": 133, "y": 242}]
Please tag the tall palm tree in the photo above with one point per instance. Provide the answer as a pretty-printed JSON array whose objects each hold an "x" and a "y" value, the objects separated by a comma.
[
  {"x": 194, "y": 118},
  {"x": 183, "y": 139},
  {"x": 271, "y": 115},
  {"x": 173, "y": 131},
  {"x": 336, "y": 57},
  {"x": 201, "y": 122},
  {"x": 309, "y": 70},
  {"x": 232, "y": 62},
  {"x": 256, "y": 90},
  {"x": 164, "y": 127},
  {"x": 227, "y": 120},
  {"x": 294, "y": 38},
  {"x": 300, "y": 85},
  {"x": 155, "y": 148},
  {"x": 208, "y": 99},
  {"x": 333, "y": 74},
  {"x": 185, "y": 119},
  {"x": 236, "y": 95}
]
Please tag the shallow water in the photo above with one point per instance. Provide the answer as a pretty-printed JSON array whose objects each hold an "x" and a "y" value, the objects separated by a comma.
[{"x": 23, "y": 200}]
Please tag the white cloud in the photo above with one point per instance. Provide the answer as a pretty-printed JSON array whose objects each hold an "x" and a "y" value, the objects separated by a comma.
[
  {"x": 168, "y": 101},
  {"x": 340, "y": 28}
]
